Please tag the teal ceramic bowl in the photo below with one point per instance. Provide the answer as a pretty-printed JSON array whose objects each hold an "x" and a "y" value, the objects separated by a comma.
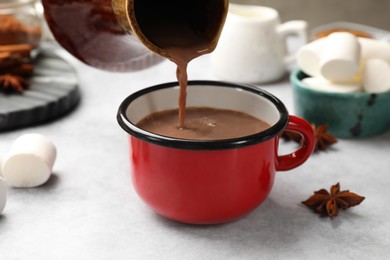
[{"x": 348, "y": 115}]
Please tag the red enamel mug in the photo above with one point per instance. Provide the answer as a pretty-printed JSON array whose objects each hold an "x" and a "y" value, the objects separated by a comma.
[{"x": 209, "y": 182}]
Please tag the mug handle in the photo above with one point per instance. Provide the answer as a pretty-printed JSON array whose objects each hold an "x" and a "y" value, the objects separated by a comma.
[
  {"x": 293, "y": 28},
  {"x": 292, "y": 160}
]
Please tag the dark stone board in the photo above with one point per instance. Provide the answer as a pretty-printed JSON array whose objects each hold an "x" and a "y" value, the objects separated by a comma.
[{"x": 53, "y": 92}]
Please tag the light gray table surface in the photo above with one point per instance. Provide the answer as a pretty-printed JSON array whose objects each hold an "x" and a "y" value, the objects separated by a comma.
[{"x": 89, "y": 210}]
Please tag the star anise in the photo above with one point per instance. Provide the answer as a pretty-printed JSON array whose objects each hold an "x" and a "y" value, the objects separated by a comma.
[
  {"x": 326, "y": 203},
  {"x": 323, "y": 138},
  {"x": 12, "y": 83}
]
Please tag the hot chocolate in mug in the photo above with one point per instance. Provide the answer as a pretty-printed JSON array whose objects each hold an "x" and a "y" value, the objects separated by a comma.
[
  {"x": 212, "y": 181},
  {"x": 252, "y": 46}
]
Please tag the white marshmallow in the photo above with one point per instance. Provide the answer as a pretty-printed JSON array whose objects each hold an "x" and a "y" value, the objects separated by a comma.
[
  {"x": 340, "y": 60},
  {"x": 30, "y": 161},
  {"x": 371, "y": 48},
  {"x": 376, "y": 76},
  {"x": 321, "y": 84},
  {"x": 3, "y": 195},
  {"x": 308, "y": 57}
]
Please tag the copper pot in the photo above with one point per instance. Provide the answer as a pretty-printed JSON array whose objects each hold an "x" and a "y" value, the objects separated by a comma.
[{"x": 126, "y": 35}]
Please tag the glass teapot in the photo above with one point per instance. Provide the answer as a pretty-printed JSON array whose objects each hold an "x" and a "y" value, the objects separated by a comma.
[{"x": 125, "y": 35}]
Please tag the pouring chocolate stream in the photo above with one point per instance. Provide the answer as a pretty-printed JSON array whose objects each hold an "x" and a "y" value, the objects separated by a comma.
[{"x": 110, "y": 34}]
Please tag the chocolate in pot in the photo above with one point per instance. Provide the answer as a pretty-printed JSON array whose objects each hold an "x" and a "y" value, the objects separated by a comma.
[{"x": 112, "y": 34}]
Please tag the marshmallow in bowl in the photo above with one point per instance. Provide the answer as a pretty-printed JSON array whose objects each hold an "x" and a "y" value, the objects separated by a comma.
[
  {"x": 308, "y": 57},
  {"x": 376, "y": 76},
  {"x": 30, "y": 161},
  {"x": 321, "y": 84},
  {"x": 340, "y": 60},
  {"x": 374, "y": 49},
  {"x": 3, "y": 195}
]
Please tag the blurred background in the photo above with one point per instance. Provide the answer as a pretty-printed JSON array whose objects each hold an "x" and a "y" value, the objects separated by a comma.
[{"x": 319, "y": 12}]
